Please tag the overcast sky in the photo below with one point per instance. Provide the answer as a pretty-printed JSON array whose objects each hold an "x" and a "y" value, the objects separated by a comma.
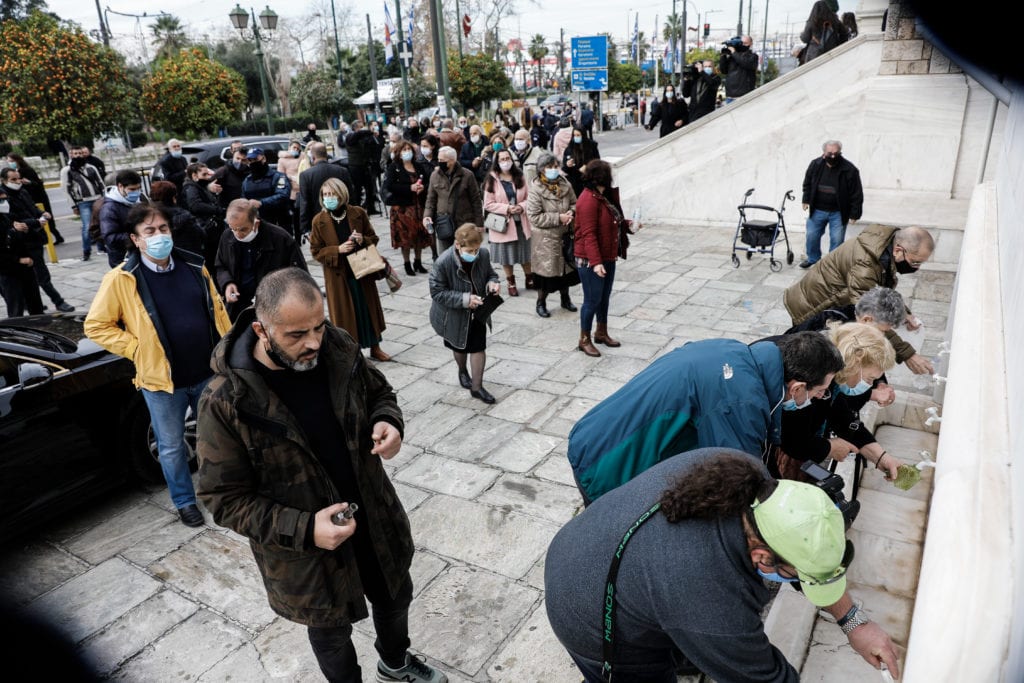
[{"x": 577, "y": 17}]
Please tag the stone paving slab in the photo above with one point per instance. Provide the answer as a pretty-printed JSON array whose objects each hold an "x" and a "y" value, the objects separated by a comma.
[{"x": 486, "y": 487}]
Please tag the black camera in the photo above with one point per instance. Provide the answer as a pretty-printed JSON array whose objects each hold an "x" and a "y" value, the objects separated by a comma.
[
  {"x": 832, "y": 484},
  {"x": 691, "y": 71},
  {"x": 735, "y": 41}
]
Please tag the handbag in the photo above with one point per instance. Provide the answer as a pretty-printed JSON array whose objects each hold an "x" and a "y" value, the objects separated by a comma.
[
  {"x": 394, "y": 283},
  {"x": 569, "y": 247},
  {"x": 496, "y": 222},
  {"x": 491, "y": 302},
  {"x": 444, "y": 227},
  {"x": 365, "y": 261}
]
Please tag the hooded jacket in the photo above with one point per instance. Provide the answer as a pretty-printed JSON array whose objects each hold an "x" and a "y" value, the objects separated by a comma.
[
  {"x": 113, "y": 214},
  {"x": 259, "y": 477},
  {"x": 715, "y": 392},
  {"x": 124, "y": 320}
]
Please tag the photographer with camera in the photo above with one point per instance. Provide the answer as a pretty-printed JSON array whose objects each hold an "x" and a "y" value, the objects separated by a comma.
[
  {"x": 676, "y": 560},
  {"x": 739, "y": 64},
  {"x": 700, "y": 84},
  {"x": 672, "y": 113}
]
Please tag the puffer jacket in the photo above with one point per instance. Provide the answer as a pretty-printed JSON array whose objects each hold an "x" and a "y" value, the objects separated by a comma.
[
  {"x": 450, "y": 289},
  {"x": 259, "y": 477},
  {"x": 842, "y": 276},
  {"x": 544, "y": 207},
  {"x": 123, "y": 318}
]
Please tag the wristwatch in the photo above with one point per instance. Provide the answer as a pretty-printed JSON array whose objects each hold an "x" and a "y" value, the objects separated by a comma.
[{"x": 858, "y": 618}]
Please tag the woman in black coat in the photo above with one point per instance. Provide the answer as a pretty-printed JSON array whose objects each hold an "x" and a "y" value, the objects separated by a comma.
[
  {"x": 31, "y": 181},
  {"x": 580, "y": 151},
  {"x": 672, "y": 113}
]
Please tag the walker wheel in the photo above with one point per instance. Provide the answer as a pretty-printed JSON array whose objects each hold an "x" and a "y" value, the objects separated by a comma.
[
  {"x": 735, "y": 261},
  {"x": 749, "y": 254},
  {"x": 789, "y": 258},
  {"x": 775, "y": 266}
]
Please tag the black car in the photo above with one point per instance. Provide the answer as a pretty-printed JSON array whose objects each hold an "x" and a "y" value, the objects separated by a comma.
[
  {"x": 217, "y": 152},
  {"x": 72, "y": 425}
]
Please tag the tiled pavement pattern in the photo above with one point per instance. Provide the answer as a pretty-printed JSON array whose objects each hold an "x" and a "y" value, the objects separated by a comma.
[{"x": 486, "y": 487}]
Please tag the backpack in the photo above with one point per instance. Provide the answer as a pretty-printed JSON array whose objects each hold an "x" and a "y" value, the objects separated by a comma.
[{"x": 95, "y": 236}]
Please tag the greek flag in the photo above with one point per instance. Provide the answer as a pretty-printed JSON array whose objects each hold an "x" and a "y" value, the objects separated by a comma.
[
  {"x": 408, "y": 35},
  {"x": 389, "y": 30},
  {"x": 636, "y": 37}
]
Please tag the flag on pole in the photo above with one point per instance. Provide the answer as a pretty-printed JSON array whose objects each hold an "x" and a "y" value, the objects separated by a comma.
[
  {"x": 654, "y": 38},
  {"x": 389, "y": 30},
  {"x": 408, "y": 34},
  {"x": 636, "y": 37}
]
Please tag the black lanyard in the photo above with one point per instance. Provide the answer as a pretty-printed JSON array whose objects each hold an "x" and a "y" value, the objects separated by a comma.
[{"x": 608, "y": 622}]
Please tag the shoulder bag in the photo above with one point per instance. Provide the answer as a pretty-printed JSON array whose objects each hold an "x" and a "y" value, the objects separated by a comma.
[{"x": 365, "y": 261}]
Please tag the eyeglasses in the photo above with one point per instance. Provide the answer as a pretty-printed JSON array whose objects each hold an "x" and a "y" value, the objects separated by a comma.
[
  {"x": 916, "y": 262},
  {"x": 839, "y": 573}
]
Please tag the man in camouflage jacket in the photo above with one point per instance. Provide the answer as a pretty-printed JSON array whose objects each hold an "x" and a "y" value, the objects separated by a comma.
[{"x": 292, "y": 429}]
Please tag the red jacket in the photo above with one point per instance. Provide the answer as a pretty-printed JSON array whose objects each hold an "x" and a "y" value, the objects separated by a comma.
[{"x": 597, "y": 233}]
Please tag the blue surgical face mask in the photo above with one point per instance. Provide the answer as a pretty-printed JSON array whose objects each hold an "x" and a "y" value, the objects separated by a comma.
[
  {"x": 468, "y": 258},
  {"x": 861, "y": 387},
  {"x": 551, "y": 174},
  {"x": 708, "y": 70},
  {"x": 406, "y": 155},
  {"x": 133, "y": 196},
  {"x": 791, "y": 404},
  {"x": 577, "y": 139},
  {"x": 12, "y": 164},
  {"x": 176, "y": 153},
  {"x": 776, "y": 577},
  {"x": 295, "y": 153},
  {"x": 330, "y": 203},
  {"x": 159, "y": 246}
]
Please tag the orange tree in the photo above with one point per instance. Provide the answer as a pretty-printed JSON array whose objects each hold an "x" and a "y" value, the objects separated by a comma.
[
  {"x": 476, "y": 78},
  {"x": 191, "y": 93},
  {"x": 56, "y": 83}
]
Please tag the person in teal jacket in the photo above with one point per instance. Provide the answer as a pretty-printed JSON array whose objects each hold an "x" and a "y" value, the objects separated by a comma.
[{"x": 715, "y": 392}]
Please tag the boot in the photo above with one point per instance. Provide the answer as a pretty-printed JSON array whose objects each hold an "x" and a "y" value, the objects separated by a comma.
[
  {"x": 601, "y": 336},
  {"x": 408, "y": 269},
  {"x": 542, "y": 308},
  {"x": 512, "y": 291},
  {"x": 586, "y": 346},
  {"x": 529, "y": 281},
  {"x": 567, "y": 302},
  {"x": 418, "y": 266}
]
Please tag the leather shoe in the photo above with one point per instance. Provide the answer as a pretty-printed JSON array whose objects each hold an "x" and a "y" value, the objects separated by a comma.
[
  {"x": 482, "y": 394},
  {"x": 465, "y": 380},
  {"x": 191, "y": 516},
  {"x": 542, "y": 310},
  {"x": 806, "y": 264}
]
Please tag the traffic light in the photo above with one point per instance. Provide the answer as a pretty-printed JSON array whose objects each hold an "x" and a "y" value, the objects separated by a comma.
[{"x": 707, "y": 30}]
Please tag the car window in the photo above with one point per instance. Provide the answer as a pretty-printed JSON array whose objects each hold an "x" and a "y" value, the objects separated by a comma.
[
  {"x": 8, "y": 372},
  {"x": 272, "y": 149}
]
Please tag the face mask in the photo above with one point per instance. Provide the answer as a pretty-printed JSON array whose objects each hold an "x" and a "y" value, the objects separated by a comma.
[
  {"x": 902, "y": 267},
  {"x": 312, "y": 131},
  {"x": 4, "y": 207},
  {"x": 497, "y": 146},
  {"x": 831, "y": 158},
  {"x": 468, "y": 258},
  {"x": 133, "y": 196},
  {"x": 176, "y": 154},
  {"x": 462, "y": 124},
  {"x": 330, "y": 203},
  {"x": 406, "y": 155},
  {"x": 374, "y": 129},
  {"x": 791, "y": 404},
  {"x": 426, "y": 152},
  {"x": 708, "y": 70},
  {"x": 577, "y": 140},
  {"x": 77, "y": 162},
  {"x": 12, "y": 164},
  {"x": 474, "y": 139},
  {"x": 776, "y": 577},
  {"x": 257, "y": 166},
  {"x": 670, "y": 95},
  {"x": 520, "y": 145},
  {"x": 471, "y": 114},
  {"x": 248, "y": 238},
  {"x": 12, "y": 186},
  {"x": 237, "y": 165},
  {"x": 551, "y": 174},
  {"x": 861, "y": 387},
  {"x": 295, "y": 154},
  {"x": 505, "y": 166},
  {"x": 159, "y": 246}
]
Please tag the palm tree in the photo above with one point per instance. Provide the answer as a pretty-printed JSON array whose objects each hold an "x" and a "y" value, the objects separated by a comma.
[
  {"x": 538, "y": 51},
  {"x": 168, "y": 36}
]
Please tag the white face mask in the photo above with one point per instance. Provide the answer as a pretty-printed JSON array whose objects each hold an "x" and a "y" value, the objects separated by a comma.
[
  {"x": 248, "y": 238},
  {"x": 505, "y": 166},
  {"x": 426, "y": 152},
  {"x": 520, "y": 144},
  {"x": 474, "y": 139},
  {"x": 12, "y": 186}
]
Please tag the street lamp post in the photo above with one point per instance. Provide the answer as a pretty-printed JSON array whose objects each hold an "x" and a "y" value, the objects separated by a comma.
[{"x": 268, "y": 20}]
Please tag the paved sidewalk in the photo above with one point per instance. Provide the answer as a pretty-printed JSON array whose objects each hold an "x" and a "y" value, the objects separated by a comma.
[{"x": 486, "y": 487}]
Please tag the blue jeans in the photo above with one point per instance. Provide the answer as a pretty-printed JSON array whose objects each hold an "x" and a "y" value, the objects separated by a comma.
[
  {"x": 816, "y": 228},
  {"x": 167, "y": 413},
  {"x": 85, "y": 212},
  {"x": 597, "y": 291}
]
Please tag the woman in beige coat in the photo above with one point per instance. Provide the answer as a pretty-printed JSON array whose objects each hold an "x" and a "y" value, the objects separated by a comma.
[
  {"x": 551, "y": 208},
  {"x": 354, "y": 305}
]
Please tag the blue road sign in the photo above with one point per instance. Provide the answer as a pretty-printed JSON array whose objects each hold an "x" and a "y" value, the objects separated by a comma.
[
  {"x": 584, "y": 80},
  {"x": 590, "y": 52}
]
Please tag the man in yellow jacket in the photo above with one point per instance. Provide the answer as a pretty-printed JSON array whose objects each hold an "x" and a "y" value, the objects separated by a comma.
[{"x": 161, "y": 310}]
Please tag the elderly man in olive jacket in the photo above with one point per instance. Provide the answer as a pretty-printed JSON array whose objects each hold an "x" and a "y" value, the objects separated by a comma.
[
  {"x": 292, "y": 430},
  {"x": 452, "y": 192}
]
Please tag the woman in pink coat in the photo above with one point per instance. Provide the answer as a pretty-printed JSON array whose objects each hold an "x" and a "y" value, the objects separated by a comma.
[{"x": 505, "y": 193}]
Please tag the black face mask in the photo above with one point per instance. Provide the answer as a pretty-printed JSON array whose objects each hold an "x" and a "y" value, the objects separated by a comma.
[
  {"x": 832, "y": 159},
  {"x": 77, "y": 162},
  {"x": 741, "y": 48},
  {"x": 904, "y": 268},
  {"x": 257, "y": 167}
]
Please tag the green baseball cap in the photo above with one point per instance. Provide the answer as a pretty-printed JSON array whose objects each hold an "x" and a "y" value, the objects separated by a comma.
[{"x": 805, "y": 528}]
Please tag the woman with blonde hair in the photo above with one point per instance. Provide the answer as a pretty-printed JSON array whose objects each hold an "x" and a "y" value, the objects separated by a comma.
[
  {"x": 339, "y": 230},
  {"x": 806, "y": 427}
]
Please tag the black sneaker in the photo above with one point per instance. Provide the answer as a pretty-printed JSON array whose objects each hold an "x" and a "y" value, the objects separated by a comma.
[
  {"x": 806, "y": 264},
  {"x": 65, "y": 307},
  {"x": 86, "y": 255},
  {"x": 414, "y": 671}
]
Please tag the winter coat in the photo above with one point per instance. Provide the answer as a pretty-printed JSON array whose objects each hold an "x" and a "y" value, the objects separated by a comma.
[
  {"x": 849, "y": 192},
  {"x": 597, "y": 230},
  {"x": 83, "y": 184},
  {"x": 274, "y": 191},
  {"x": 113, "y": 225},
  {"x": 450, "y": 289},
  {"x": 200, "y": 202},
  {"x": 703, "y": 94},
  {"x": 274, "y": 249},
  {"x": 581, "y": 154},
  {"x": 543, "y": 207},
  {"x": 668, "y": 113},
  {"x": 470, "y": 152},
  {"x": 715, "y": 392},
  {"x": 496, "y": 201},
  {"x": 123, "y": 320},
  {"x": 740, "y": 69},
  {"x": 24, "y": 210},
  {"x": 172, "y": 168},
  {"x": 230, "y": 179},
  {"x": 842, "y": 276},
  {"x": 527, "y": 160},
  {"x": 310, "y": 182},
  {"x": 457, "y": 195},
  {"x": 821, "y": 39},
  {"x": 398, "y": 184},
  {"x": 259, "y": 477},
  {"x": 323, "y": 244}
]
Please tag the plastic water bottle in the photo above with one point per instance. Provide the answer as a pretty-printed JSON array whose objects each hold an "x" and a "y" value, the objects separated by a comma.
[{"x": 638, "y": 217}]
